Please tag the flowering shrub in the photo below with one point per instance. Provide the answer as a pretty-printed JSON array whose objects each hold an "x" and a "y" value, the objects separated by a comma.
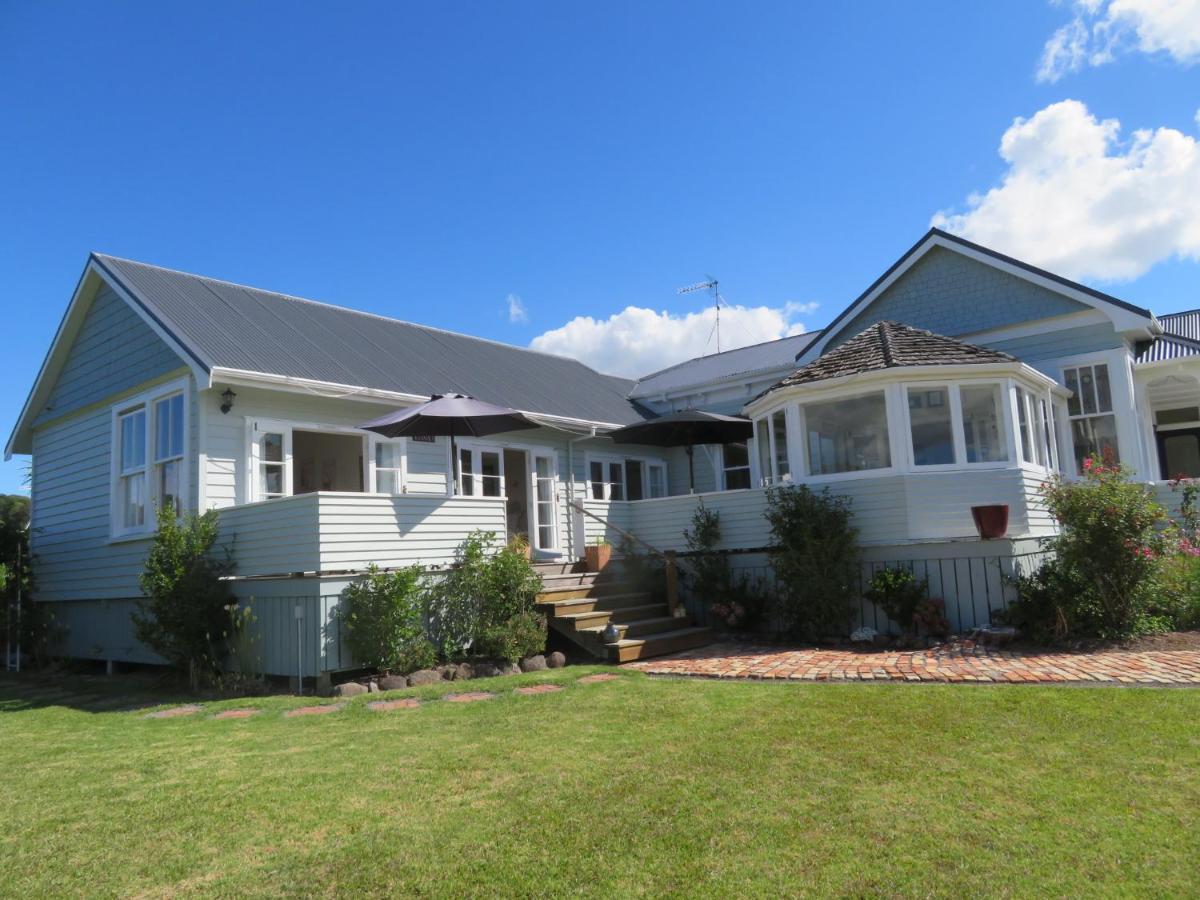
[{"x": 1103, "y": 577}]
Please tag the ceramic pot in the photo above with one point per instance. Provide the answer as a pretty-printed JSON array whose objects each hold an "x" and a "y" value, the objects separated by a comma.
[{"x": 991, "y": 521}]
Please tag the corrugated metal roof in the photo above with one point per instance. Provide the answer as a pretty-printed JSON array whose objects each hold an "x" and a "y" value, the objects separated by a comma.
[
  {"x": 1180, "y": 340},
  {"x": 766, "y": 357},
  {"x": 1184, "y": 324},
  {"x": 236, "y": 327}
]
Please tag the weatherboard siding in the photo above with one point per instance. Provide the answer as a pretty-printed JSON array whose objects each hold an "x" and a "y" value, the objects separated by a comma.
[
  {"x": 948, "y": 293},
  {"x": 113, "y": 351}
]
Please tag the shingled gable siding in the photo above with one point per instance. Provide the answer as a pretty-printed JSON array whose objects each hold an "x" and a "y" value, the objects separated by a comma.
[
  {"x": 950, "y": 294},
  {"x": 115, "y": 354}
]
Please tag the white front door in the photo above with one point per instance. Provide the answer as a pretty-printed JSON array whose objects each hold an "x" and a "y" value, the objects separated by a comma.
[{"x": 544, "y": 490}]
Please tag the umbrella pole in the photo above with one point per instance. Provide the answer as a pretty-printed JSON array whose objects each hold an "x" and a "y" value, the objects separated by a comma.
[
  {"x": 691, "y": 452},
  {"x": 453, "y": 464}
]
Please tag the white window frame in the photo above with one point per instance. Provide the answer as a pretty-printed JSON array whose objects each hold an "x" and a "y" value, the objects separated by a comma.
[
  {"x": 287, "y": 427},
  {"x": 620, "y": 459},
  {"x": 722, "y": 469},
  {"x": 1091, "y": 362},
  {"x": 373, "y": 468},
  {"x": 477, "y": 449},
  {"x": 957, "y": 424},
  {"x": 773, "y": 477},
  {"x": 897, "y": 423},
  {"x": 145, "y": 402}
]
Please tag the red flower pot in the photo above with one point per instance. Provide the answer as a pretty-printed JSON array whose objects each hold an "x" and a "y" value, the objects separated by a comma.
[{"x": 991, "y": 521}]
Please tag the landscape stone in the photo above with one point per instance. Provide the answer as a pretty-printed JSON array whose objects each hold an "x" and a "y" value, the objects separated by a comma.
[
  {"x": 534, "y": 664},
  {"x": 485, "y": 669},
  {"x": 556, "y": 660},
  {"x": 372, "y": 687},
  {"x": 424, "y": 676},
  {"x": 393, "y": 682},
  {"x": 349, "y": 689}
]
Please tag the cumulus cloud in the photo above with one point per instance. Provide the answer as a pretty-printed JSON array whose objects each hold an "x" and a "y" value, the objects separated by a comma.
[
  {"x": 1079, "y": 201},
  {"x": 516, "y": 309},
  {"x": 1101, "y": 30},
  {"x": 637, "y": 341}
]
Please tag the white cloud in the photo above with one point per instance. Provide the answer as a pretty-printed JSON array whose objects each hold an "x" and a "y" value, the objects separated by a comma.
[
  {"x": 1078, "y": 201},
  {"x": 516, "y": 309},
  {"x": 637, "y": 341},
  {"x": 1101, "y": 30}
]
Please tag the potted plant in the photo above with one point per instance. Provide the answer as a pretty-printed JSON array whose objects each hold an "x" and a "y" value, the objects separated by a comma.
[
  {"x": 597, "y": 554},
  {"x": 520, "y": 546},
  {"x": 991, "y": 521}
]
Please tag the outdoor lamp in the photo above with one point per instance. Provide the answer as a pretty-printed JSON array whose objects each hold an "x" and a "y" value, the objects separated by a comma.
[{"x": 227, "y": 400}]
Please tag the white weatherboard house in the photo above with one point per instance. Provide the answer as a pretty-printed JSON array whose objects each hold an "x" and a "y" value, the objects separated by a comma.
[{"x": 961, "y": 377}]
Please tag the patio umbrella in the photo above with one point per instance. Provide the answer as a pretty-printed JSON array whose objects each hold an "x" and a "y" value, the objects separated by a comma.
[
  {"x": 450, "y": 415},
  {"x": 686, "y": 429}
]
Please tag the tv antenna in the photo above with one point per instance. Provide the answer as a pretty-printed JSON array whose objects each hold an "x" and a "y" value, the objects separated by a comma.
[{"x": 709, "y": 285}]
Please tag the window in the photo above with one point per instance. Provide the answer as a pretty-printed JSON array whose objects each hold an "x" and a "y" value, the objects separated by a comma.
[
  {"x": 168, "y": 450},
  {"x": 762, "y": 440},
  {"x": 779, "y": 443},
  {"x": 491, "y": 475},
  {"x": 1028, "y": 450},
  {"x": 616, "y": 481},
  {"x": 735, "y": 466},
  {"x": 849, "y": 435},
  {"x": 1046, "y": 433},
  {"x": 633, "y": 480},
  {"x": 1090, "y": 411},
  {"x": 596, "y": 480},
  {"x": 930, "y": 421},
  {"x": 771, "y": 437},
  {"x": 272, "y": 465},
  {"x": 983, "y": 430},
  {"x": 149, "y": 466},
  {"x": 481, "y": 471},
  {"x": 389, "y": 467},
  {"x": 132, "y": 470},
  {"x": 626, "y": 479},
  {"x": 656, "y": 479}
]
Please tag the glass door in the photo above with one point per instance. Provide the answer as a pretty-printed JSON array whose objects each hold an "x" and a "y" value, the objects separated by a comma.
[
  {"x": 270, "y": 460},
  {"x": 544, "y": 502}
]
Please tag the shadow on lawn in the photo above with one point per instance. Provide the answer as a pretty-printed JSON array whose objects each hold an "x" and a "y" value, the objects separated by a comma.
[{"x": 90, "y": 691}]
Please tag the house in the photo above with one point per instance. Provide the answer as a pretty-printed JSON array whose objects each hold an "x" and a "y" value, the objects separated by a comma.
[{"x": 960, "y": 377}]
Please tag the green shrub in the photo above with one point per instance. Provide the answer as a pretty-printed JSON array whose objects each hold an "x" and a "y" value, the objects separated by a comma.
[
  {"x": 1103, "y": 575},
  {"x": 385, "y": 621},
  {"x": 736, "y": 600},
  {"x": 1177, "y": 597},
  {"x": 816, "y": 560},
  {"x": 898, "y": 592},
  {"x": 184, "y": 614},
  {"x": 521, "y": 635}
]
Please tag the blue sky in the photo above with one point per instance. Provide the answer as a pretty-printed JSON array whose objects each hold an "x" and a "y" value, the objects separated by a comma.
[{"x": 434, "y": 161}]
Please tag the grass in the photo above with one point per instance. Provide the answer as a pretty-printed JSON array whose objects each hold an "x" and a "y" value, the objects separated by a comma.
[{"x": 636, "y": 786}]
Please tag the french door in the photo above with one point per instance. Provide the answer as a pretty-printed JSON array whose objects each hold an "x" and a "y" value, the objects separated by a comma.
[{"x": 544, "y": 487}]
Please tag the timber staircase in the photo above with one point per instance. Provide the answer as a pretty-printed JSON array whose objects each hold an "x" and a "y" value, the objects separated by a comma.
[{"x": 579, "y": 604}]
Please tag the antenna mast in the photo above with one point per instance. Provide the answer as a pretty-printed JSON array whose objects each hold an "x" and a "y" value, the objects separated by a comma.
[{"x": 709, "y": 285}]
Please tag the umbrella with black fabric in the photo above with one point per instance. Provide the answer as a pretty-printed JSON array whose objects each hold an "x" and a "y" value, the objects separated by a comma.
[
  {"x": 686, "y": 429},
  {"x": 450, "y": 415}
]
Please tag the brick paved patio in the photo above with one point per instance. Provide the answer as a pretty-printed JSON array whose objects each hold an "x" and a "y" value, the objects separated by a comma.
[{"x": 962, "y": 663}]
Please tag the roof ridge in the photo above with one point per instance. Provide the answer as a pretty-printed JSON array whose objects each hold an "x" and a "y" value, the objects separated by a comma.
[
  {"x": 786, "y": 337},
  {"x": 885, "y": 344},
  {"x": 358, "y": 312}
]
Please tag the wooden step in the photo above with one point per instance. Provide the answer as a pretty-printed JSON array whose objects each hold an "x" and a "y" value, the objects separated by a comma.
[
  {"x": 629, "y": 649},
  {"x": 565, "y": 605},
  {"x": 562, "y": 567},
  {"x": 550, "y": 594},
  {"x": 602, "y": 617},
  {"x": 643, "y": 627}
]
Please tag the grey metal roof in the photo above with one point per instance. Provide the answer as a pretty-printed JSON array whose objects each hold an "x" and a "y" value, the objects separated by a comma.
[
  {"x": 231, "y": 326},
  {"x": 1181, "y": 338},
  {"x": 887, "y": 345},
  {"x": 766, "y": 357}
]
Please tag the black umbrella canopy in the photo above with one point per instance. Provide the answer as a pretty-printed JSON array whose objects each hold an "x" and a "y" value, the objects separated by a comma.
[
  {"x": 686, "y": 429},
  {"x": 450, "y": 415}
]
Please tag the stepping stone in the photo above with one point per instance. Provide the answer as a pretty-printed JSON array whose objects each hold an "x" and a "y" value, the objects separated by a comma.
[
  {"x": 321, "y": 710},
  {"x": 389, "y": 705},
  {"x": 599, "y": 676},
  {"x": 539, "y": 689},
  {"x": 469, "y": 697},
  {"x": 174, "y": 712},
  {"x": 236, "y": 714}
]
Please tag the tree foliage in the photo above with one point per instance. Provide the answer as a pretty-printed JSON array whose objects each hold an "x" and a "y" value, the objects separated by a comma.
[{"x": 385, "y": 621}]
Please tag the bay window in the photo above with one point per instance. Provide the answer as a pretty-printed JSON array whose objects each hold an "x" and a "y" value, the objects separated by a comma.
[
  {"x": 847, "y": 435},
  {"x": 149, "y": 465},
  {"x": 1090, "y": 412},
  {"x": 983, "y": 423},
  {"x": 931, "y": 424},
  {"x": 771, "y": 437}
]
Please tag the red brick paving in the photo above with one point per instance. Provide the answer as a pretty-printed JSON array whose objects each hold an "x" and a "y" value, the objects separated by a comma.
[
  {"x": 600, "y": 676},
  {"x": 322, "y": 710},
  {"x": 236, "y": 714},
  {"x": 469, "y": 697},
  {"x": 951, "y": 664},
  {"x": 538, "y": 689},
  {"x": 389, "y": 705},
  {"x": 174, "y": 712}
]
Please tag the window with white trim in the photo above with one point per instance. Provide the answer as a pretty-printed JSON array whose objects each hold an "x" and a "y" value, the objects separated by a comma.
[
  {"x": 735, "y": 467},
  {"x": 611, "y": 478},
  {"x": 847, "y": 435},
  {"x": 770, "y": 434},
  {"x": 1090, "y": 412},
  {"x": 983, "y": 423},
  {"x": 931, "y": 425},
  {"x": 389, "y": 466},
  {"x": 480, "y": 471},
  {"x": 149, "y": 465}
]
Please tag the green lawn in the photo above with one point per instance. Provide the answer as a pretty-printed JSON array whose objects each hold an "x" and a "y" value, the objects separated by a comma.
[{"x": 637, "y": 786}]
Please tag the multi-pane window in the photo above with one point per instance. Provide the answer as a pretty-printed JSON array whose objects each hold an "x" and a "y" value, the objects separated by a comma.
[
  {"x": 389, "y": 467},
  {"x": 149, "y": 466},
  {"x": 131, "y": 475},
  {"x": 735, "y": 464},
  {"x": 168, "y": 450},
  {"x": 849, "y": 435},
  {"x": 480, "y": 472},
  {"x": 1033, "y": 422},
  {"x": 272, "y": 465},
  {"x": 1090, "y": 410},
  {"x": 931, "y": 424},
  {"x": 626, "y": 479},
  {"x": 770, "y": 435},
  {"x": 983, "y": 429}
]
